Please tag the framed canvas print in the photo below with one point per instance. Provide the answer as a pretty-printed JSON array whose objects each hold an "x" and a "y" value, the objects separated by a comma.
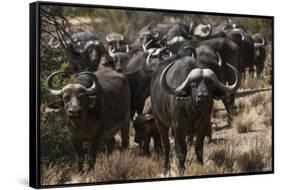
[{"x": 121, "y": 94}]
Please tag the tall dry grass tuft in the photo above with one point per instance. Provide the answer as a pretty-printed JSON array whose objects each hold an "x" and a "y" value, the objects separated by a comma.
[
  {"x": 223, "y": 156},
  {"x": 57, "y": 173},
  {"x": 258, "y": 99},
  {"x": 243, "y": 105},
  {"x": 258, "y": 158},
  {"x": 245, "y": 121},
  {"x": 126, "y": 166},
  {"x": 267, "y": 118},
  {"x": 253, "y": 83}
]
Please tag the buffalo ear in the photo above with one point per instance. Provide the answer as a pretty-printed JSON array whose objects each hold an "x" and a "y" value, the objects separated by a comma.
[
  {"x": 92, "y": 101},
  {"x": 219, "y": 93},
  {"x": 55, "y": 107}
]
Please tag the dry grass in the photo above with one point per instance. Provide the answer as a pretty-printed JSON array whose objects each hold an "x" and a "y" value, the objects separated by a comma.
[
  {"x": 244, "y": 147},
  {"x": 258, "y": 158},
  {"x": 127, "y": 166},
  {"x": 223, "y": 156},
  {"x": 124, "y": 165},
  {"x": 253, "y": 83},
  {"x": 245, "y": 121}
]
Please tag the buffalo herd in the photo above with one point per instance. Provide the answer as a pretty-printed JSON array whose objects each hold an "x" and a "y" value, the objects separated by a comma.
[{"x": 164, "y": 82}]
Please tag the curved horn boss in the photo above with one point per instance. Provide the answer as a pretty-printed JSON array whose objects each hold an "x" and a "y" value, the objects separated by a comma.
[
  {"x": 195, "y": 73},
  {"x": 94, "y": 87}
]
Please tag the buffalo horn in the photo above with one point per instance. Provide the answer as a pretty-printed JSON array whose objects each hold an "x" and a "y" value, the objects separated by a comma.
[
  {"x": 50, "y": 84},
  {"x": 195, "y": 73},
  {"x": 94, "y": 86},
  {"x": 144, "y": 46},
  {"x": 193, "y": 51},
  {"x": 219, "y": 59},
  {"x": 228, "y": 89},
  {"x": 257, "y": 45},
  {"x": 110, "y": 51}
]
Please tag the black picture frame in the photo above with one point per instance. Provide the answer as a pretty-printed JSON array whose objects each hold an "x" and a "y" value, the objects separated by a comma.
[{"x": 34, "y": 92}]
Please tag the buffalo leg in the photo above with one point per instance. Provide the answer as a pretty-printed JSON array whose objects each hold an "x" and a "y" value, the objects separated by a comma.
[
  {"x": 209, "y": 132},
  {"x": 259, "y": 71},
  {"x": 110, "y": 145},
  {"x": 125, "y": 134},
  {"x": 252, "y": 72},
  {"x": 164, "y": 133},
  {"x": 190, "y": 138},
  {"x": 145, "y": 148},
  {"x": 94, "y": 150},
  {"x": 181, "y": 149},
  {"x": 229, "y": 105},
  {"x": 80, "y": 153},
  {"x": 199, "y": 142},
  {"x": 157, "y": 142}
]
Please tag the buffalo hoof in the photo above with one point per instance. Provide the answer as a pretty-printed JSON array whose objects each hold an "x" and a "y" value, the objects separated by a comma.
[
  {"x": 165, "y": 175},
  {"x": 167, "y": 172},
  {"x": 181, "y": 171}
]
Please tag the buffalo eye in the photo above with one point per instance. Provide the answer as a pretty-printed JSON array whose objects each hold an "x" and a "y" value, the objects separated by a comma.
[{"x": 66, "y": 98}]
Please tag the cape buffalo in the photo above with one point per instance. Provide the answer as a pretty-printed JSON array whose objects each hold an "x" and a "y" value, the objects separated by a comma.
[
  {"x": 116, "y": 43},
  {"x": 182, "y": 93},
  {"x": 207, "y": 31},
  {"x": 151, "y": 36},
  {"x": 260, "y": 54},
  {"x": 178, "y": 33},
  {"x": 93, "y": 114},
  {"x": 145, "y": 129},
  {"x": 84, "y": 50},
  {"x": 138, "y": 70},
  {"x": 230, "y": 53}
]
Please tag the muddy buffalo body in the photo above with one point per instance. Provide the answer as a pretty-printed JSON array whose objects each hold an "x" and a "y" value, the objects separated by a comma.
[
  {"x": 182, "y": 93},
  {"x": 92, "y": 112}
]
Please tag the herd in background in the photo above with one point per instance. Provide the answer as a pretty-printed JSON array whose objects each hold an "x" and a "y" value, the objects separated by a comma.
[{"x": 167, "y": 78}]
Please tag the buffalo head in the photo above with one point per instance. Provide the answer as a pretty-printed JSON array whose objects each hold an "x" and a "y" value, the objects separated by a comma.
[
  {"x": 259, "y": 45},
  {"x": 202, "y": 30},
  {"x": 156, "y": 55},
  {"x": 119, "y": 59},
  {"x": 142, "y": 124},
  {"x": 116, "y": 42},
  {"x": 178, "y": 33},
  {"x": 201, "y": 84},
  {"x": 259, "y": 50},
  {"x": 83, "y": 48},
  {"x": 78, "y": 96},
  {"x": 149, "y": 38}
]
